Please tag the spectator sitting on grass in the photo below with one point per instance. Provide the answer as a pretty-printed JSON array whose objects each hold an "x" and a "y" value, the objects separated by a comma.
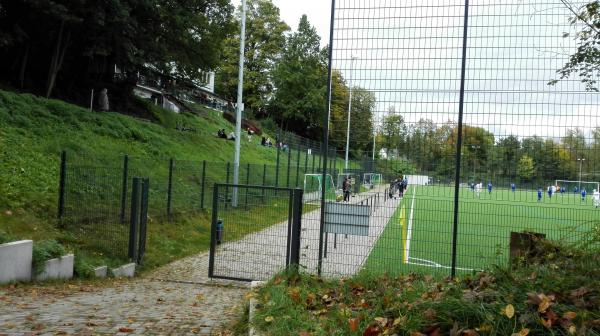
[
  {"x": 231, "y": 136},
  {"x": 221, "y": 134}
]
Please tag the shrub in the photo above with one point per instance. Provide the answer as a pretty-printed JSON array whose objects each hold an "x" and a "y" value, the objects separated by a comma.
[{"x": 46, "y": 250}]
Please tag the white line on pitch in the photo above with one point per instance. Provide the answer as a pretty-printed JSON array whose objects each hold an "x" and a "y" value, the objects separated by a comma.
[{"x": 410, "y": 220}]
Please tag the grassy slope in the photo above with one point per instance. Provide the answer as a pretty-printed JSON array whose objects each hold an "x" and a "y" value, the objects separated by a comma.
[
  {"x": 553, "y": 295},
  {"x": 34, "y": 130}
]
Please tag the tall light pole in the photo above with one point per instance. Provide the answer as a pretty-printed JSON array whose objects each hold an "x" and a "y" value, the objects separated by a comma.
[
  {"x": 374, "y": 135},
  {"x": 349, "y": 109},
  {"x": 239, "y": 107},
  {"x": 580, "y": 167}
]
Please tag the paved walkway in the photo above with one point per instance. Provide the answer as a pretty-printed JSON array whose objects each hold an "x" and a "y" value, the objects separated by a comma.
[
  {"x": 138, "y": 307},
  {"x": 189, "y": 303}
]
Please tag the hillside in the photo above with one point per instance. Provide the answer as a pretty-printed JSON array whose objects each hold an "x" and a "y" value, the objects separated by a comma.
[{"x": 33, "y": 132}]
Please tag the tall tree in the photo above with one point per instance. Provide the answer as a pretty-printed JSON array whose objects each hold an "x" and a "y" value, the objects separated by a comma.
[
  {"x": 265, "y": 41},
  {"x": 300, "y": 80},
  {"x": 585, "y": 62},
  {"x": 508, "y": 152},
  {"x": 67, "y": 46},
  {"x": 393, "y": 132}
]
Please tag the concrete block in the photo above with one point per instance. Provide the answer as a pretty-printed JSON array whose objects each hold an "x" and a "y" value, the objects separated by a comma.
[
  {"x": 58, "y": 268},
  {"x": 125, "y": 271},
  {"x": 15, "y": 261},
  {"x": 101, "y": 272}
]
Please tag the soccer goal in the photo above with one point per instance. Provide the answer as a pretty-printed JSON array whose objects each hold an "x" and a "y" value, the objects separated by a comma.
[
  {"x": 371, "y": 180},
  {"x": 313, "y": 188},
  {"x": 572, "y": 186}
]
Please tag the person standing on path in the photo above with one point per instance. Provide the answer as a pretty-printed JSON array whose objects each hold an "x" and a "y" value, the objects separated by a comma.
[{"x": 346, "y": 189}]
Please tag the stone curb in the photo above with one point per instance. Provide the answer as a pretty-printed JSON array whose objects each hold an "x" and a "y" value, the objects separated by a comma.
[{"x": 252, "y": 309}]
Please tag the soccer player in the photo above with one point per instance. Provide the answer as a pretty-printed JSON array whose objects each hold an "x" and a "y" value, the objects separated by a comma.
[
  {"x": 489, "y": 187},
  {"x": 478, "y": 188},
  {"x": 539, "y": 194},
  {"x": 550, "y": 192},
  {"x": 513, "y": 187},
  {"x": 583, "y": 194},
  {"x": 596, "y": 198}
]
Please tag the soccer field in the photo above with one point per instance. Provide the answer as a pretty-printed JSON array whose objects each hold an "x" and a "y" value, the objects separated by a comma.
[{"x": 419, "y": 235}]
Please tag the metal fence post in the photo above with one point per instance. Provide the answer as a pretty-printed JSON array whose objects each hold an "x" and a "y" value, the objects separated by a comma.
[
  {"x": 213, "y": 231},
  {"x": 170, "y": 188},
  {"x": 203, "y": 185},
  {"x": 296, "y": 229},
  {"x": 61, "y": 186},
  {"x": 264, "y": 181},
  {"x": 278, "y": 159},
  {"x": 227, "y": 182},
  {"x": 289, "y": 150},
  {"x": 306, "y": 161},
  {"x": 134, "y": 218},
  {"x": 124, "y": 187},
  {"x": 143, "y": 220},
  {"x": 461, "y": 105},
  {"x": 247, "y": 183},
  {"x": 312, "y": 170},
  {"x": 298, "y": 167}
]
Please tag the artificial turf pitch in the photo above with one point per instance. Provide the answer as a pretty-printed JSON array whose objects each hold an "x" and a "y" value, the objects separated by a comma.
[{"x": 424, "y": 244}]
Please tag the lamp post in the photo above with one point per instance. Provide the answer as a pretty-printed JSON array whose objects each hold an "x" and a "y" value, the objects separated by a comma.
[
  {"x": 580, "y": 167},
  {"x": 374, "y": 135},
  {"x": 349, "y": 109},
  {"x": 239, "y": 107},
  {"x": 474, "y": 147}
]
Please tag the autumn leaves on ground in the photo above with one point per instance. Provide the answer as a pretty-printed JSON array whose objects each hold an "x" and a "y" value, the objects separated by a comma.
[{"x": 556, "y": 292}]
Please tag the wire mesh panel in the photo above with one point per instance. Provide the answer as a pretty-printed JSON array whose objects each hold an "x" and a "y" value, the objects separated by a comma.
[
  {"x": 460, "y": 108},
  {"x": 250, "y": 241}
]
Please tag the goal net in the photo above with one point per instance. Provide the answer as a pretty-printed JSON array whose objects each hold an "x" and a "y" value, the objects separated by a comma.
[
  {"x": 576, "y": 186},
  {"x": 371, "y": 180},
  {"x": 313, "y": 188}
]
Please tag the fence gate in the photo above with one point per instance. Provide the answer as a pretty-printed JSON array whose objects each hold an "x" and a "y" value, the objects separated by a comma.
[{"x": 255, "y": 231}]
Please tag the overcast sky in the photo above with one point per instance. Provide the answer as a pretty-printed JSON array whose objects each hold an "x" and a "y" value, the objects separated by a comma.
[{"x": 318, "y": 12}]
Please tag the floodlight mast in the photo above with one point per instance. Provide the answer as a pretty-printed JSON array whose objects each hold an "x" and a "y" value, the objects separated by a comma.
[
  {"x": 352, "y": 58},
  {"x": 239, "y": 108},
  {"x": 580, "y": 167}
]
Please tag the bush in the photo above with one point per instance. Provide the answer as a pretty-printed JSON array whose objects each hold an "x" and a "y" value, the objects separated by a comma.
[
  {"x": 82, "y": 268},
  {"x": 5, "y": 238},
  {"x": 46, "y": 250}
]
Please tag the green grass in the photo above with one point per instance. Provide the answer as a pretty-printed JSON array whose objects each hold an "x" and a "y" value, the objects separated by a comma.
[
  {"x": 484, "y": 228},
  {"x": 33, "y": 132},
  {"x": 416, "y": 304}
]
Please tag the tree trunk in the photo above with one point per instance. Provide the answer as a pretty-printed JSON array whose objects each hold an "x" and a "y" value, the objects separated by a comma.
[
  {"x": 24, "y": 66},
  {"x": 56, "y": 61}
]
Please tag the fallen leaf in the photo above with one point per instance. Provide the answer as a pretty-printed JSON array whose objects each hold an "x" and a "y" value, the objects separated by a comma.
[
  {"x": 572, "y": 330},
  {"x": 269, "y": 319},
  {"x": 195, "y": 330},
  {"x": 372, "y": 331},
  {"x": 277, "y": 281},
  {"x": 544, "y": 305},
  {"x": 470, "y": 332},
  {"x": 570, "y": 315},
  {"x": 353, "y": 324},
  {"x": 484, "y": 328},
  {"x": 399, "y": 321},
  {"x": 509, "y": 311},
  {"x": 523, "y": 332},
  {"x": 381, "y": 320},
  {"x": 430, "y": 314},
  {"x": 199, "y": 297},
  {"x": 546, "y": 323},
  {"x": 126, "y": 330}
]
